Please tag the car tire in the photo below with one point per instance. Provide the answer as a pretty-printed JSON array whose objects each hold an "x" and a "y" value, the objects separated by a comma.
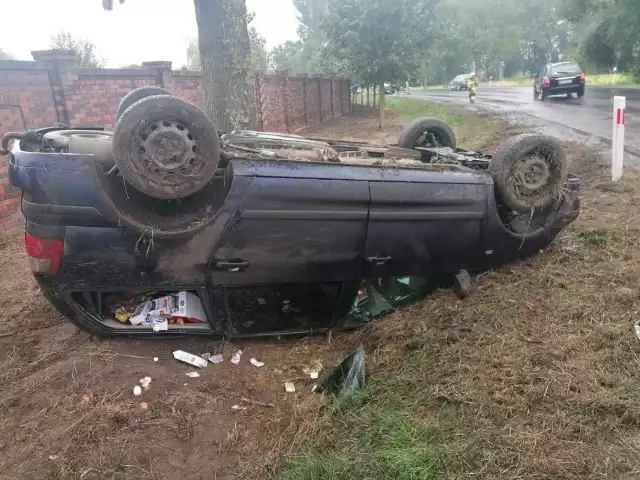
[
  {"x": 543, "y": 95},
  {"x": 537, "y": 159},
  {"x": 166, "y": 147},
  {"x": 417, "y": 134},
  {"x": 580, "y": 93},
  {"x": 138, "y": 94}
]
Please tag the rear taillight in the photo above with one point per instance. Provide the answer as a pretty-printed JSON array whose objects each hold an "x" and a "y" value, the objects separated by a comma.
[
  {"x": 546, "y": 82},
  {"x": 45, "y": 255},
  {"x": 582, "y": 77}
]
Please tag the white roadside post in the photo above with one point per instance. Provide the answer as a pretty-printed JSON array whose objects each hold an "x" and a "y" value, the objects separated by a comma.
[{"x": 617, "y": 141}]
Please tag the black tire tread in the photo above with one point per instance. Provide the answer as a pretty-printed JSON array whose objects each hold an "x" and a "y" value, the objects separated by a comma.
[
  {"x": 509, "y": 152},
  {"x": 135, "y": 114},
  {"x": 411, "y": 132},
  {"x": 138, "y": 94}
]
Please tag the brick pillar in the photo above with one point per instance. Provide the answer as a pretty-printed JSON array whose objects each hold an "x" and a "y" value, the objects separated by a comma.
[
  {"x": 259, "y": 99},
  {"x": 331, "y": 93},
  {"x": 283, "y": 77},
  {"x": 304, "y": 98},
  {"x": 58, "y": 62},
  {"x": 164, "y": 78},
  {"x": 11, "y": 120},
  {"x": 319, "y": 79}
]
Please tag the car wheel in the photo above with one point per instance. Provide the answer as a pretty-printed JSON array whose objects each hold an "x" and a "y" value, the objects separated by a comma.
[
  {"x": 138, "y": 94},
  {"x": 580, "y": 93},
  {"x": 543, "y": 95},
  {"x": 166, "y": 147},
  {"x": 427, "y": 132},
  {"x": 529, "y": 172}
]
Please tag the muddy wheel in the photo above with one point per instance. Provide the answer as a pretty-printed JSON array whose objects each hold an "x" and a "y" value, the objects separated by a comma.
[
  {"x": 138, "y": 94},
  {"x": 427, "y": 132},
  {"x": 166, "y": 147},
  {"x": 529, "y": 172}
]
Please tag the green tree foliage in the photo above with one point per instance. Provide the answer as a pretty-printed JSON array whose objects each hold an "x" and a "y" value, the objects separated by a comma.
[
  {"x": 377, "y": 41},
  {"x": 609, "y": 32},
  {"x": 84, "y": 49}
]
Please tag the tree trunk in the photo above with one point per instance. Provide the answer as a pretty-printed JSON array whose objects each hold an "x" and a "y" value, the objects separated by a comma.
[
  {"x": 382, "y": 105},
  {"x": 367, "y": 96},
  {"x": 223, "y": 39}
]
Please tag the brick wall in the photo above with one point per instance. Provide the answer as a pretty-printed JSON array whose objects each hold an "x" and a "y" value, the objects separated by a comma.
[{"x": 51, "y": 90}]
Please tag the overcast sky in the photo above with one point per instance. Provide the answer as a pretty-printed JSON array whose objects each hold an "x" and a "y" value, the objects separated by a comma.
[{"x": 139, "y": 30}]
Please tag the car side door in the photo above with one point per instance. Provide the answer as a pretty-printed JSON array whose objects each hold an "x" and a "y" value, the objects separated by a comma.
[
  {"x": 297, "y": 223},
  {"x": 425, "y": 222}
]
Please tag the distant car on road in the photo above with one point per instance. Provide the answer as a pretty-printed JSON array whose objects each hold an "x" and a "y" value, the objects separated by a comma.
[
  {"x": 565, "y": 78},
  {"x": 460, "y": 82}
]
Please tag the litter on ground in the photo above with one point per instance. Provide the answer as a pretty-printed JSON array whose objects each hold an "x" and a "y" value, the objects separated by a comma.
[
  {"x": 193, "y": 374},
  {"x": 189, "y": 358},
  {"x": 145, "y": 382},
  {"x": 218, "y": 358},
  {"x": 235, "y": 359},
  {"x": 289, "y": 387},
  {"x": 256, "y": 363}
]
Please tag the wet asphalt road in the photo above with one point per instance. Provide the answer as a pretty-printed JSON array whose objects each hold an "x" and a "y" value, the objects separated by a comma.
[{"x": 589, "y": 118}]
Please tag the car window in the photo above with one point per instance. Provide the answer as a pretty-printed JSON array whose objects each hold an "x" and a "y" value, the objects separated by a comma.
[{"x": 566, "y": 69}]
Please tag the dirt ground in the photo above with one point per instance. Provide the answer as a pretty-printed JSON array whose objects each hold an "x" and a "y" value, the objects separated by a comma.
[{"x": 541, "y": 362}]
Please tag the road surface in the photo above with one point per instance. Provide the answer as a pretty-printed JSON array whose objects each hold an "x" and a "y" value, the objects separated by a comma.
[{"x": 589, "y": 118}]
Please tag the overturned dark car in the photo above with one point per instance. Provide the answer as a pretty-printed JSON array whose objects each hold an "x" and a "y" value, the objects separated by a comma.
[{"x": 165, "y": 226}]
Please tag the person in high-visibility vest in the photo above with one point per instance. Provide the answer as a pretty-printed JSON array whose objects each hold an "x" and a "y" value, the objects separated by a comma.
[{"x": 472, "y": 85}]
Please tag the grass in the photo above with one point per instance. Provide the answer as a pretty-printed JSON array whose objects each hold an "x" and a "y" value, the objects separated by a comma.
[
  {"x": 472, "y": 131},
  {"x": 596, "y": 80},
  {"x": 394, "y": 443}
]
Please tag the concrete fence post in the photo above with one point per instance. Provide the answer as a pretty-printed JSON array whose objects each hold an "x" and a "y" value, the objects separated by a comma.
[{"x": 617, "y": 140}]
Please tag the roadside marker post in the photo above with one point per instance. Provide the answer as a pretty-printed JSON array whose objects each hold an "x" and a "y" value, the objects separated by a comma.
[{"x": 617, "y": 140}]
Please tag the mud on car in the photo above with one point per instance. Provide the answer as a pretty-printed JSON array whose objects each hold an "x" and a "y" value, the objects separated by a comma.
[{"x": 165, "y": 225}]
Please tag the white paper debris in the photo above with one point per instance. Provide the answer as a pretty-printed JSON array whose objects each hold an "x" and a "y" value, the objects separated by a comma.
[
  {"x": 155, "y": 359},
  {"x": 235, "y": 359},
  {"x": 313, "y": 375},
  {"x": 145, "y": 382},
  {"x": 160, "y": 324},
  {"x": 218, "y": 358},
  {"x": 637, "y": 329},
  {"x": 238, "y": 407},
  {"x": 256, "y": 363},
  {"x": 289, "y": 387},
  {"x": 193, "y": 374},
  {"x": 137, "y": 390},
  {"x": 189, "y": 358},
  {"x": 262, "y": 301}
]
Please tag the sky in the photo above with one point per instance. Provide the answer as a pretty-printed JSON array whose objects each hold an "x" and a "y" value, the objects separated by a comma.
[{"x": 138, "y": 31}]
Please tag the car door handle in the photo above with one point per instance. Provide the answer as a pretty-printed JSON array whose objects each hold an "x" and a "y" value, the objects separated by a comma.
[
  {"x": 232, "y": 265},
  {"x": 378, "y": 260}
]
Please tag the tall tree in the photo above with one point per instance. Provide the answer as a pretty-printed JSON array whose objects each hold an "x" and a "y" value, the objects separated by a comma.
[
  {"x": 84, "y": 49},
  {"x": 224, "y": 47},
  {"x": 258, "y": 59},
  {"x": 378, "y": 40}
]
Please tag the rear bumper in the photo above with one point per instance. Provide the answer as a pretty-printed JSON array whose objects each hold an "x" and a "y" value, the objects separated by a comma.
[{"x": 564, "y": 89}]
